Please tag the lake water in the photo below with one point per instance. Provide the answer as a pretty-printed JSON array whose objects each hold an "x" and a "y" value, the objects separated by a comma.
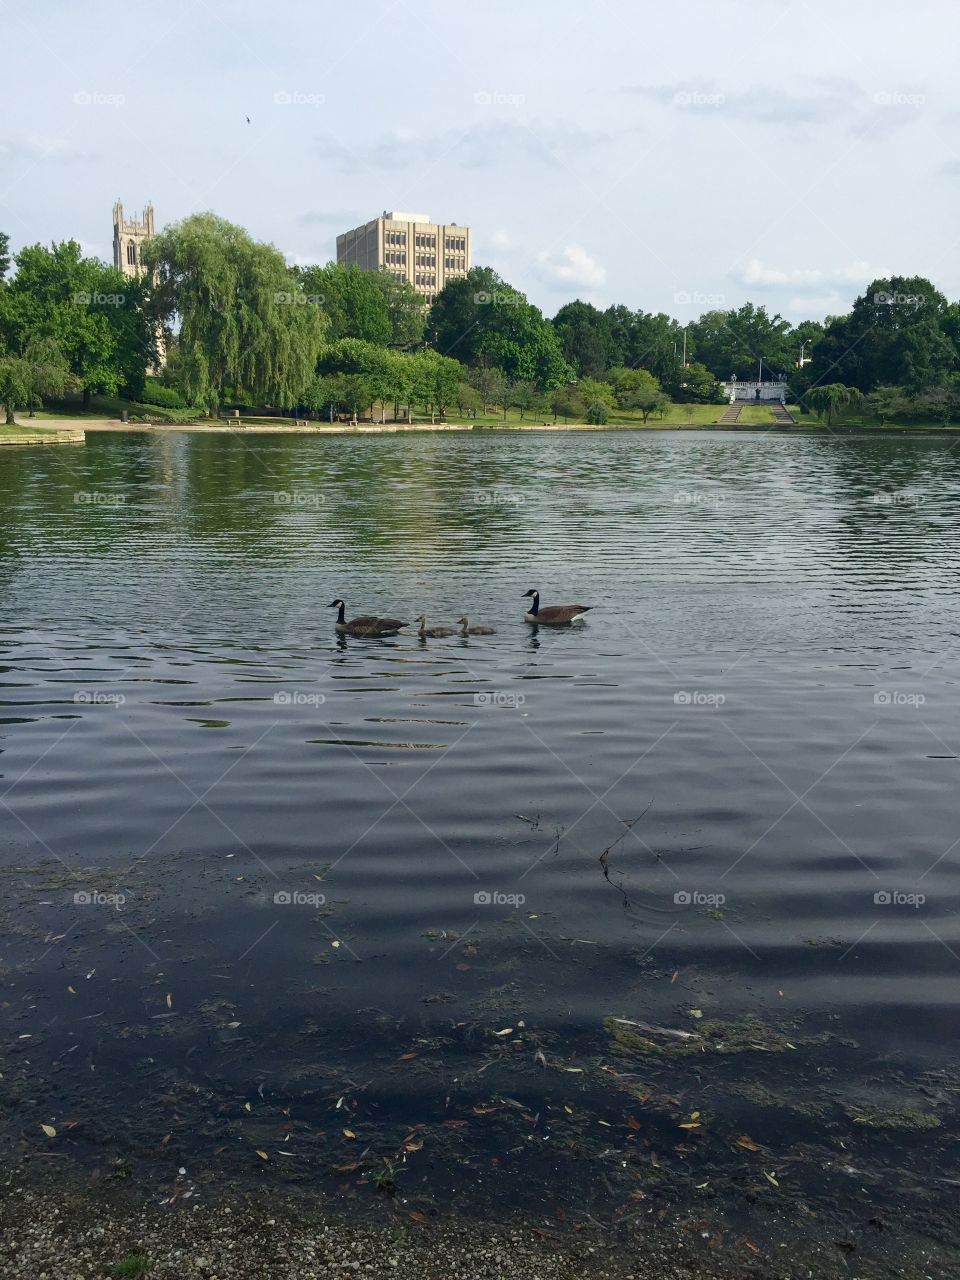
[{"x": 724, "y": 806}]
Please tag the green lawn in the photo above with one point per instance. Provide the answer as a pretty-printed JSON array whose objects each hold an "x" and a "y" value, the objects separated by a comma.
[{"x": 20, "y": 429}]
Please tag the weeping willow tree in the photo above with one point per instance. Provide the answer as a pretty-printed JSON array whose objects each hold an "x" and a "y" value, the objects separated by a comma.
[{"x": 246, "y": 328}]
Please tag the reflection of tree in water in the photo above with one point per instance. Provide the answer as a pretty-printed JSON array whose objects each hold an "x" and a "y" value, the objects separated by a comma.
[{"x": 883, "y": 483}]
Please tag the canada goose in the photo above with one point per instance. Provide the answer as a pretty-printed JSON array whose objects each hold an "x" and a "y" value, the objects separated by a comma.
[
  {"x": 433, "y": 633},
  {"x": 553, "y": 615},
  {"x": 368, "y": 625},
  {"x": 467, "y": 630}
]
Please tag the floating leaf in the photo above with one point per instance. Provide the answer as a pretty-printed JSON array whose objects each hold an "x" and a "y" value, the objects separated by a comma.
[
  {"x": 348, "y": 1133},
  {"x": 262, "y": 1154},
  {"x": 701, "y": 1185},
  {"x": 675, "y": 975},
  {"x": 748, "y": 1244},
  {"x": 505, "y": 1032},
  {"x": 418, "y": 1217},
  {"x": 247, "y": 1106},
  {"x": 335, "y": 943},
  {"x": 694, "y": 1115},
  {"x": 694, "y": 1124},
  {"x": 574, "y": 1070},
  {"x": 405, "y": 1057},
  {"x": 633, "y": 1122},
  {"x": 747, "y": 1142},
  {"x": 413, "y": 1146},
  {"x": 696, "y": 1013},
  {"x": 71, "y": 990},
  {"x": 165, "y": 1139},
  {"x": 169, "y": 1000},
  {"x": 568, "y": 1110},
  {"x": 49, "y": 1130},
  {"x": 345, "y": 1168},
  {"x": 771, "y": 1179}
]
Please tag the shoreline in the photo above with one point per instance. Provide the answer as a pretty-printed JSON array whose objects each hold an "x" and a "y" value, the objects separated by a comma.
[
  {"x": 68, "y": 1228},
  {"x": 62, "y": 431}
]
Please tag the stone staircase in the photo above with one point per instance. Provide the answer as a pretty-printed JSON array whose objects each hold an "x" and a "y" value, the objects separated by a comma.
[{"x": 731, "y": 414}]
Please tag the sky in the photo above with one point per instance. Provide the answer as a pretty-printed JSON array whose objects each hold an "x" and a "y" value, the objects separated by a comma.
[{"x": 672, "y": 157}]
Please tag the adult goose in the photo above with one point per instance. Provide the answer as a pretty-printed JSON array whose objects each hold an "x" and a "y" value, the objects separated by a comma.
[
  {"x": 432, "y": 633},
  {"x": 553, "y": 615},
  {"x": 467, "y": 630},
  {"x": 368, "y": 625}
]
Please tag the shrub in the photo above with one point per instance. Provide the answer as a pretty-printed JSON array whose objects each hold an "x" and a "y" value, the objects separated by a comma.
[
  {"x": 597, "y": 414},
  {"x": 157, "y": 392}
]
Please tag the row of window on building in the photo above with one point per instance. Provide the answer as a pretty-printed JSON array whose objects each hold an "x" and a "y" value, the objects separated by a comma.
[
  {"x": 456, "y": 242},
  {"x": 455, "y": 264},
  {"x": 395, "y": 258},
  {"x": 425, "y": 281}
]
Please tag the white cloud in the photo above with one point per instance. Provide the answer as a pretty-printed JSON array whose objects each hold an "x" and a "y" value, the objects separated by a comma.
[
  {"x": 39, "y": 147},
  {"x": 573, "y": 266},
  {"x": 761, "y": 276}
]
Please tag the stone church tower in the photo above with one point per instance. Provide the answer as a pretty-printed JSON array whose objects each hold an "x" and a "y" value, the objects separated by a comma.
[{"x": 128, "y": 237}]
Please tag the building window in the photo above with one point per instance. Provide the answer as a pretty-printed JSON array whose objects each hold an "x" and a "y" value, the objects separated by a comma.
[{"x": 132, "y": 254}]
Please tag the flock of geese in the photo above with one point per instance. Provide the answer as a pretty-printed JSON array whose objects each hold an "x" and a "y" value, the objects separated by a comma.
[{"x": 371, "y": 626}]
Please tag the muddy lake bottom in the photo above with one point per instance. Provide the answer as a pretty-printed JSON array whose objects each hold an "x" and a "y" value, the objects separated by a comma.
[{"x": 189, "y": 1079}]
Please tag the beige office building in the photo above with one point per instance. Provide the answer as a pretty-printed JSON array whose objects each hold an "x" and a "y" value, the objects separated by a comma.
[{"x": 413, "y": 248}]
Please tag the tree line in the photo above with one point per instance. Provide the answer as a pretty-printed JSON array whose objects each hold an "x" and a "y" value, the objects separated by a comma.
[{"x": 219, "y": 319}]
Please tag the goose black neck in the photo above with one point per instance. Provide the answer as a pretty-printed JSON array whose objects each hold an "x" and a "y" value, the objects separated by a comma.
[
  {"x": 535, "y": 606},
  {"x": 340, "y": 612}
]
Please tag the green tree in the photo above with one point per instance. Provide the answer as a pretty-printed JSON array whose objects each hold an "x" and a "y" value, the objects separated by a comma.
[
  {"x": 94, "y": 314},
  {"x": 481, "y": 320},
  {"x": 829, "y": 400},
  {"x": 897, "y": 334},
  {"x": 524, "y": 395},
  {"x": 467, "y": 399},
  {"x": 490, "y": 385},
  {"x": 247, "y": 327},
  {"x": 638, "y": 389},
  {"x": 24, "y": 380},
  {"x": 695, "y": 384},
  {"x": 585, "y": 338},
  {"x": 566, "y": 402},
  {"x": 735, "y": 341},
  {"x": 405, "y": 309},
  {"x": 354, "y": 301},
  {"x": 593, "y": 391}
]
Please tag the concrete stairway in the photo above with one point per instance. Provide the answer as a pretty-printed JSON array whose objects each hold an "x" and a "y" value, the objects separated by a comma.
[{"x": 730, "y": 414}]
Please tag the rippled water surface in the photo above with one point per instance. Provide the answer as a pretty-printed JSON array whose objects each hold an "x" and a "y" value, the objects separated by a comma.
[{"x": 758, "y": 724}]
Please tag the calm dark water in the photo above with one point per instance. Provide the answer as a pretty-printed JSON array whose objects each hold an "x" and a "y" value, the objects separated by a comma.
[{"x": 759, "y": 722}]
